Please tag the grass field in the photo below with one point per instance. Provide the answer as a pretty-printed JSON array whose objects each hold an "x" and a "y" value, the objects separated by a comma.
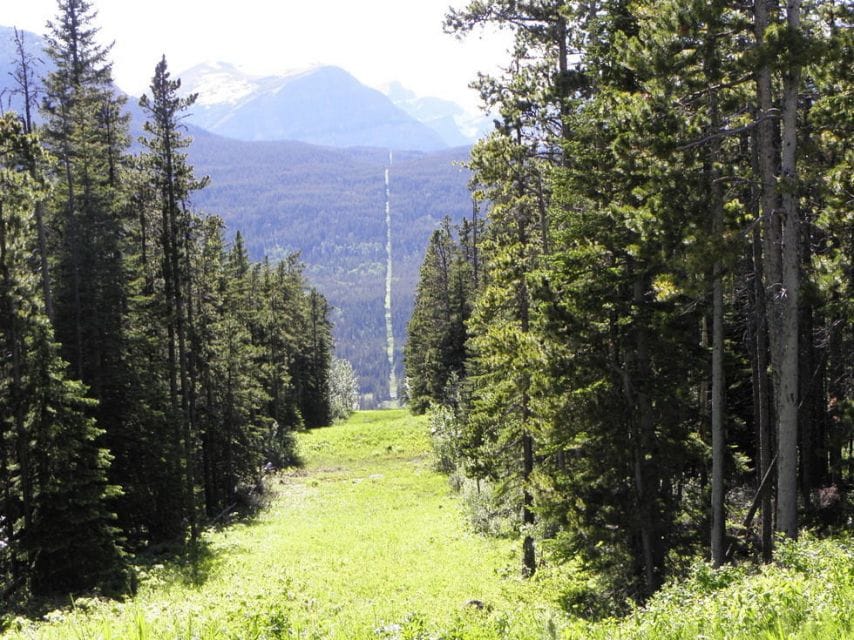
[{"x": 367, "y": 541}]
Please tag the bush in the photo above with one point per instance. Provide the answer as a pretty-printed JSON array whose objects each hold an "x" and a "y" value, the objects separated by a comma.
[
  {"x": 445, "y": 437},
  {"x": 806, "y": 593}
]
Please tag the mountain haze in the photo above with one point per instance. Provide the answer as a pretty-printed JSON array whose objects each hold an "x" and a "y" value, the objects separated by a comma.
[
  {"x": 456, "y": 126},
  {"x": 322, "y": 105}
]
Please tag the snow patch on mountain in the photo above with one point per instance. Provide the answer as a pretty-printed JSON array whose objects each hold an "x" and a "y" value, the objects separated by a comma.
[
  {"x": 322, "y": 105},
  {"x": 221, "y": 83},
  {"x": 456, "y": 125}
]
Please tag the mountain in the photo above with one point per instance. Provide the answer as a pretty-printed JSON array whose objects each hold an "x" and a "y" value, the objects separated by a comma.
[
  {"x": 329, "y": 204},
  {"x": 323, "y": 105},
  {"x": 325, "y": 202},
  {"x": 456, "y": 126}
]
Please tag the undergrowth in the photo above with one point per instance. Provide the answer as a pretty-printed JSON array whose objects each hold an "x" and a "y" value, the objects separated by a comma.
[
  {"x": 367, "y": 541},
  {"x": 806, "y": 594}
]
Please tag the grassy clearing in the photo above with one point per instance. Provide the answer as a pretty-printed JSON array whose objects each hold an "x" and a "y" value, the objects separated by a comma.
[{"x": 367, "y": 541}]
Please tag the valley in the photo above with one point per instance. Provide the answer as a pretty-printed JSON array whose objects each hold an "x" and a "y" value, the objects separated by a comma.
[
  {"x": 298, "y": 352},
  {"x": 329, "y": 205},
  {"x": 296, "y": 165}
]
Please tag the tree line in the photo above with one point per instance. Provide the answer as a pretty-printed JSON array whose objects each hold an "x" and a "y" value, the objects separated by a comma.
[
  {"x": 647, "y": 339},
  {"x": 149, "y": 370}
]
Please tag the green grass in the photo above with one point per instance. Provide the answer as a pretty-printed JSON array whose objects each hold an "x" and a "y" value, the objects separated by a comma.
[
  {"x": 367, "y": 541},
  {"x": 806, "y": 594}
]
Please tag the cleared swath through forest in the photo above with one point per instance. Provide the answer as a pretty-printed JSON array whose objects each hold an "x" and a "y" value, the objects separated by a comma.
[
  {"x": 328, "y": 204},
  {"x": 365, "y": 541}
]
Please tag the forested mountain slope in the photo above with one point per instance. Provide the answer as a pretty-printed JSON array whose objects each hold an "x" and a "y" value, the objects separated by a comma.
[{"x": 328, "y": 204}]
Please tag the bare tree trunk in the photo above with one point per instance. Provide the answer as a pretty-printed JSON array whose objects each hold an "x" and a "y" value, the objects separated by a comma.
[
  {"x": 836, "y": 392},
  {"x": 640, "y": 430},
  {"x": 762, "y": 397},
  {"x": 759, "y": 361},
  {"x": 787, "y": 398},
  {"x": 718, "y": 429},
  {"x": 529, "y": 560},
  {"x": 767, "y": 161},
  {"x": 770, "y": 278},
  {"x": 474, "y": 248},
  {"x": 717, "y": 401}
]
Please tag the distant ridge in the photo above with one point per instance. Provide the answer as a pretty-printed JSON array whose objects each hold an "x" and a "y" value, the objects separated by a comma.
[
  {"x": 323, "y": 105},
  {"x": 326, "y": 202},
  {"x": 456, "y": 126}
]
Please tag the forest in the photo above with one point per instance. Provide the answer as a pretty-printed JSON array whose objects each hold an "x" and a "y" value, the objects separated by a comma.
[
  {"x": 641, "y": 349},
  {"x": 150, "y": 372},
  {"x": 632, "y": 363}
]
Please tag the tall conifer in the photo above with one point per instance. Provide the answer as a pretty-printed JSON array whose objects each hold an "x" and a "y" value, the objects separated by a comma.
[{"x": 57, "y": 523}]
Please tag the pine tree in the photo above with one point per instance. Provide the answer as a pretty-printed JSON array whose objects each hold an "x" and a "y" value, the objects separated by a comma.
[
  {"x": 173, "y": 182},
  {"x": 279, "y": 327},
  {"x": 435, "y": 352},
  {"x": 149, "y": 456},
  {"x": 315, "y": 358},
  {"x": 57, "y": 523},
  {"x": 86, "y": 131}
]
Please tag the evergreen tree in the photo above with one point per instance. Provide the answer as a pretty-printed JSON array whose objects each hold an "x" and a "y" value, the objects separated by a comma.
[
  {"x": 279, "y": 327},
  {"x": 314, "y": 362},
  {"x": 173, "y": 182},
  {"x": 435, "y": 350},
  {"x": 57, "y": 525},
  {"x": 241, "y": 393},
  {"x": 149, "y": 456},
  {"x": 86, "y": 131}
]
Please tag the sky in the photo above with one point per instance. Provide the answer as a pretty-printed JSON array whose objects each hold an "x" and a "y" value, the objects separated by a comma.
[{"x": 376, "y": 40}]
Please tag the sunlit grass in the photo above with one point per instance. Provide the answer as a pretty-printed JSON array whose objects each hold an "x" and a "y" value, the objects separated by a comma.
[
  {"x": 366, "y": 541},
  {"x": 806, "y": 594}
]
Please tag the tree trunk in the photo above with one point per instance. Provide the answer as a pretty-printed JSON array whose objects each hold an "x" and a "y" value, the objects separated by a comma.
[
  {"x": 717, "y": 400},
  {"x": 529, "y": 560},
  {"x": 788, "y": 300},
  {"x": 45, "y": 273},
  {"x": 762, "y": 398},
  {"x": 641, "y": 431}
]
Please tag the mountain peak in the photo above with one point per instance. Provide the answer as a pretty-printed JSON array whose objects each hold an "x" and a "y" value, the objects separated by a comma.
[
  {"x": 323, "y": 105},
  {"x": 217, "y": 83},
  {"x": 397, "y": 92},
  {"x": 455, "y": 125}
]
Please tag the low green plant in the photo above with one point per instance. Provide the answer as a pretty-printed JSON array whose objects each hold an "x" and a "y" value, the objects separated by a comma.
[
  {"x": 366, "y": 536},
  {"x": 805, "y": 594}
]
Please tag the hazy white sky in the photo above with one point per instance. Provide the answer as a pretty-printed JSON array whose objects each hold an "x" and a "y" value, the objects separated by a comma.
[{"x": 376, "y": 40}]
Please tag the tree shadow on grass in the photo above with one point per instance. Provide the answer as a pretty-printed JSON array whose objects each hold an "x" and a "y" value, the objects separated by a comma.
[
  {"x": 175, "y": 562},
  {"x": 184, "y": 563}
]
